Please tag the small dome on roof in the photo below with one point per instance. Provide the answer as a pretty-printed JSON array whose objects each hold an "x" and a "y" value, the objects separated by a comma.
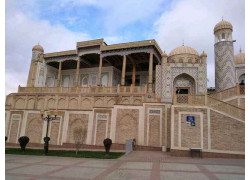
[
  {"x": 164, "y": 54},
  {"x": 223, "y": 25},
  {"x": 183, "y": 50},
  {"x": 239, "y": 58},
  {"x": 38, "y": 48},
  {"x": 203, "y": 54}
]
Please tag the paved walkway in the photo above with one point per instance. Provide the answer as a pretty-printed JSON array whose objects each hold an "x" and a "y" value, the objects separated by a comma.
[{"x": 138, "y": 165}]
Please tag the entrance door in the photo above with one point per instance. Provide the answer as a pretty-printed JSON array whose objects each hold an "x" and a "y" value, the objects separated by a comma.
[{"x": 182, "y": 91}]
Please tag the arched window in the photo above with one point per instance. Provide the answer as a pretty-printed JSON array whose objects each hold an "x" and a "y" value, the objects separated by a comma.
[
  {"x": 229, "y": 37},
  {"x": 66, "y": 80},
  {"x": 223, "y": 36},
  {"x": 85, "y": 81}
]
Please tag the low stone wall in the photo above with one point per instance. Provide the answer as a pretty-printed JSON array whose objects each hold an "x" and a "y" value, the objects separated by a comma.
[
  {"x": 183, "y": 153},
  {"x": 213, "y": 131}
]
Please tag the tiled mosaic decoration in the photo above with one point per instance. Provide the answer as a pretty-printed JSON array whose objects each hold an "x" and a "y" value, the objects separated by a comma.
[{"x": 224, "y": 66}]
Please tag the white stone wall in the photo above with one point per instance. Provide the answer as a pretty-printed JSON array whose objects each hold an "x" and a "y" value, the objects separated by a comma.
[{"x": 51, "y": 76}]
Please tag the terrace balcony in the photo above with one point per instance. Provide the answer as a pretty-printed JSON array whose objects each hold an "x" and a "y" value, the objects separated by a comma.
[{"x": 90, "y": 90}]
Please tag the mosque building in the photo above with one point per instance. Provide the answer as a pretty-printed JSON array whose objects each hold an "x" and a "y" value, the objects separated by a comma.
[{"x": 136, "y": 91}]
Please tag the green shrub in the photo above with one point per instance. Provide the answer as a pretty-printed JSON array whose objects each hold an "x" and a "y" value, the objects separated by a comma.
[
  {"x": 107, "y": 144},
  {"x": 23, "y": 141}
]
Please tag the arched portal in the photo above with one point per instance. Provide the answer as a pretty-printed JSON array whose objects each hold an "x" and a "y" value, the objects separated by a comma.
[
  {"x": 242, "y": 78},
  {"x": 184, "y": 84}
]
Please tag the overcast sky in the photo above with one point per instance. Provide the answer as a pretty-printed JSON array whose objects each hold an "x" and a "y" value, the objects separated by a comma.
[{"x": 58, "y": 25}]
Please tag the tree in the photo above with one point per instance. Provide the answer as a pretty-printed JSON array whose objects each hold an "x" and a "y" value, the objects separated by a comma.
[
  {"x": 79, "y": 137},
  {"x": 107, "y": 144},
  {"x": 23, "y": 141}
]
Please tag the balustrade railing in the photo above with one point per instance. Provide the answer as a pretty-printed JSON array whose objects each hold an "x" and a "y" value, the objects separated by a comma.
[
  {"x": 227, "y": 108},
  {"x": 86, "y": 90},
  {"x": 228, "y": 93},
  {"x": 194, "y": 100},
  {"x": 204, "y": 100}
]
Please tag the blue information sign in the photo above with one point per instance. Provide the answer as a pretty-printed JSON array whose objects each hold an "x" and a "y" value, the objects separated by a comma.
[{"x": 190, "y": 119}]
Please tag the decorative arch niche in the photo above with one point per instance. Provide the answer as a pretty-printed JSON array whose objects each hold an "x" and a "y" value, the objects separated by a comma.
[
  {"x": 20, "y": 103},
  {"x": 34, "y": 130},
  {"x": 184, "y": 81},
  {"x": 76, "y": 123},
  {"x": 126, "y": 128}
]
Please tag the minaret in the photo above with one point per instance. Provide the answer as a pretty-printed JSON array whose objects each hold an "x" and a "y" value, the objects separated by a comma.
[
  {"x": 224, "y": 56},
  {"x": 37, "y": 51}
]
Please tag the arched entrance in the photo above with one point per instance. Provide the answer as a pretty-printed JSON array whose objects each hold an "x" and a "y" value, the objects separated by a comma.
[{"x": 184, "y": 84}]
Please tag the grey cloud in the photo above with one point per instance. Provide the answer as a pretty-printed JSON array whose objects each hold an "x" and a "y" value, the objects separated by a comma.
[{"x": 22, "y": 33}]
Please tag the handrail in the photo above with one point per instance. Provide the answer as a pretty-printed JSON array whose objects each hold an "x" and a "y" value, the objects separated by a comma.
[
  {"x": 204, "y": 100},
  {"x": 227, "y": 93},
  {"x": 227, "y": 108},
  {"x": 227, "y": 103}
]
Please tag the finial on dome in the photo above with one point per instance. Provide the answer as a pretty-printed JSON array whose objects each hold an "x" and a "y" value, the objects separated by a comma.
[
  {"x": 182, "y": 42},
  {"x": 203, "y": 54},
  {"x": 240, "y": 49},
  {"x": 164, "y": 54},
  {"x": 222, "y": 18},
  {"x": 38, "y": 47}
]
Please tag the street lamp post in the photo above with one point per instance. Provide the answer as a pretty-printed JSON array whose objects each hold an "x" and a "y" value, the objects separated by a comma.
[{"x": 47, "y": 118}]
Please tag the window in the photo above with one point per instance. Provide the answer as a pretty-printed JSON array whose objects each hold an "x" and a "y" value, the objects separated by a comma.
[
  {"x": 180, "y": 60},
  {"x": 223, "y": 37},
  {"x": 85, "y": 81}
]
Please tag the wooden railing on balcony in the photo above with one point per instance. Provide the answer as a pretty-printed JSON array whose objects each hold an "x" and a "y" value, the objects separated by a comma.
[
  {"x": 86, "y": 90},
  {"x": 204, "y": 100},
  {"x": 228, "y": 93}
]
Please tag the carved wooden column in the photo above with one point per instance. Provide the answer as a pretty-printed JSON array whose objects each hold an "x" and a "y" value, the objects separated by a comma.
[
  {"x": 150, "y": 72},
  {"x": 123, "y": 70},
  {"x": 77, "y": 71},
  {"x": 59, "y": 82},
  {"x": 100, "y": 73},
  {"x": 133, "y": 75}
]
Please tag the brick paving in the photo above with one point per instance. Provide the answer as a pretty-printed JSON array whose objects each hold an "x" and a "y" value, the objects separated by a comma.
[{"x": 139, "y": 165}]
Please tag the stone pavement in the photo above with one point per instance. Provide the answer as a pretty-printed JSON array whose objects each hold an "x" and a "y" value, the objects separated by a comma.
[{"x": 138, "y": 165}]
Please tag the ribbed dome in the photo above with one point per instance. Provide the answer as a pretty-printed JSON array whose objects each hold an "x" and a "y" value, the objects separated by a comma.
[
  {"x": 223, "y": 25},
  {"x": 183, "y": 50},
  {"x": 203, "y": 54},
  {"x": 239, "y": 58},
  {"x": 38, "y": 48}
]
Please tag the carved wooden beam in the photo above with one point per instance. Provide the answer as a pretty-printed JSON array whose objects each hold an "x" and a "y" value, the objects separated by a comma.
[{"x": 86, "y": 62}]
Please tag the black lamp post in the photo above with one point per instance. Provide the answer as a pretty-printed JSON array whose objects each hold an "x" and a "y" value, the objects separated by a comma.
[{"x": 47, "y": 118}]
